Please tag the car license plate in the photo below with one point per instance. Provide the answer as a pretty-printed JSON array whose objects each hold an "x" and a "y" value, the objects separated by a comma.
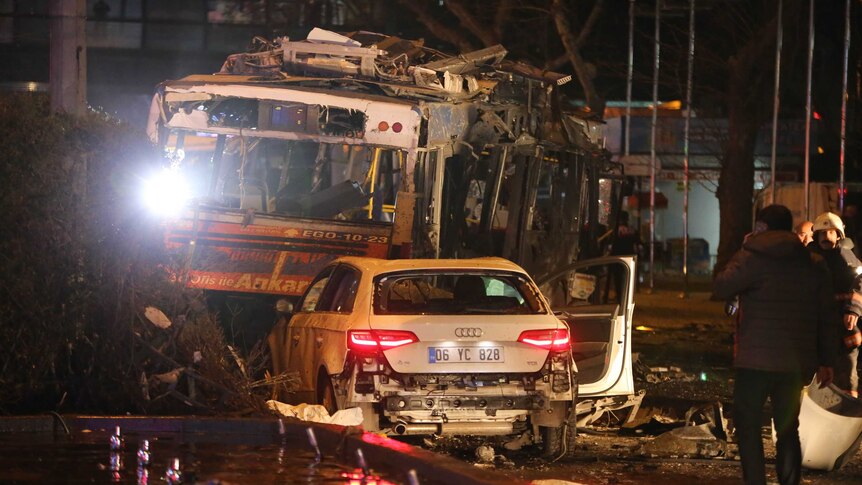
[{"x": 440, "y": 355}]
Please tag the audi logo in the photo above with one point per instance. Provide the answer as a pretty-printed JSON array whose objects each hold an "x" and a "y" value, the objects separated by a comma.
[{"x": 468, "y": 332}]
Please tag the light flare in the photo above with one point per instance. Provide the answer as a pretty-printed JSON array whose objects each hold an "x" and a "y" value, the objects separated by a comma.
[{"x": 166, "y": 193}]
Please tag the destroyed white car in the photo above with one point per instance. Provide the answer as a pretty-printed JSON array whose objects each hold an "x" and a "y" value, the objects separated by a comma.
[{"x": 433, "y": 347}]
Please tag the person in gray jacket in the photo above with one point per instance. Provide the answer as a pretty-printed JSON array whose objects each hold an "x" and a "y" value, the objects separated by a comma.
[{"x": 784, "y": 336}]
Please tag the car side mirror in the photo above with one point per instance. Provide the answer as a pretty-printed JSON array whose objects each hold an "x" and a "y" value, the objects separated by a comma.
[{"x": 284, "y": 307}]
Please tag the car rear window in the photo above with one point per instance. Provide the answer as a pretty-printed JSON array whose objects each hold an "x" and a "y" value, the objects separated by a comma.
[{"x": 454, "y": 293}]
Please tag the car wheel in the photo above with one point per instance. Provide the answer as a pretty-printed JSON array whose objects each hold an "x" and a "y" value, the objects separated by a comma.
[
  {"x": 326, "y": 393},
  {"x": 559, "y": 441}
]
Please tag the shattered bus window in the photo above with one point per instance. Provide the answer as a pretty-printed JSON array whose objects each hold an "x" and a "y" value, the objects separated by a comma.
[{"x": 297, "y": 178}]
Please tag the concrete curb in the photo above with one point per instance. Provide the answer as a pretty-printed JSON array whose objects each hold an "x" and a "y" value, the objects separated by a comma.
[{"x": 393, "y": 457}]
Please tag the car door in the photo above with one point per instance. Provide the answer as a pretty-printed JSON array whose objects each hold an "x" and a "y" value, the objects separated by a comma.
[
  {"x": 332, "y": 318},
  {"x": 301, "y": 339},
  {"x": 595, "y": 298}
]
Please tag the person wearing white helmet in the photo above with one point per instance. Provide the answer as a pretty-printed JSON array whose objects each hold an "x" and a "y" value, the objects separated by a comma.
[{"x": 831, "y": 243}]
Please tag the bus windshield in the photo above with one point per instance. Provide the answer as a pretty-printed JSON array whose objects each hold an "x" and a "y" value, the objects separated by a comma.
[{"x": 290, "y": 177}]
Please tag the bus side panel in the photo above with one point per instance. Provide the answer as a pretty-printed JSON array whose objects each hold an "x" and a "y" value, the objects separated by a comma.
[{"x": 276, "y": 256}]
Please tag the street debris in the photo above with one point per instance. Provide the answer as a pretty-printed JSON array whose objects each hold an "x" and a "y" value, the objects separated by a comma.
[
  {"x": 519, "y": 442},
  {"x": 487, "y": 458},
  {"x": 485, "y": 454},
  {"x": 184, "y": 363},
  {"x": 658, "y": 374},
  {"x": 157, "y": 317},
  {"x": 830, "y": 427},
  {"x": 680, "y": 383},
  {"x": 686, "y": 442},
  {"x": 703, "y": 434},
  {"x": 316, "y": 413}
]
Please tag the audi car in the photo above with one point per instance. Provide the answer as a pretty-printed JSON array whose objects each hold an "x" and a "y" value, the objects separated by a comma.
[{"x": 467, "y": 346}]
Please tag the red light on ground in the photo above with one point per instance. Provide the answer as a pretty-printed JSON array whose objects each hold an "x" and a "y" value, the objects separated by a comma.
[{"x": 359, "y": 478}]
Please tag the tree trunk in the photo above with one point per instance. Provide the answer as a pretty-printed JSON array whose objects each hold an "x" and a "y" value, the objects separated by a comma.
[
  {"x": 736, "y": 182},
  {"x": 750, "y": 74}
]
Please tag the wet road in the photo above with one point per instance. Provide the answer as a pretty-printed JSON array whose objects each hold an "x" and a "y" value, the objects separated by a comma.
[{"x": 616, "y": 460}]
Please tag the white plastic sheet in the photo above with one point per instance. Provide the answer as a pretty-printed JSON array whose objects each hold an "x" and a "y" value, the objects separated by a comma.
[{"x": 316, "y": 413}]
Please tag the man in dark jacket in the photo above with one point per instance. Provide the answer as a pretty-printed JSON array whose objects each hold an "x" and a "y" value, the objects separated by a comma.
[
  {"x": 837, "y": 250},
  {"x": 783, "y": 337}
]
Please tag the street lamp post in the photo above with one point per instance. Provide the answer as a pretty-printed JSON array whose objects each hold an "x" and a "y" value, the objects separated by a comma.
[
  {"x": 686, "y": 139},
  {"x": 779, "y": 27},
  {"x": 844, "y": 107}
]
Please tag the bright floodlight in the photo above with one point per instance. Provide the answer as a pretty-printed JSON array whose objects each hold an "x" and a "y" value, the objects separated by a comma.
[{"x": 166, "y": 193}]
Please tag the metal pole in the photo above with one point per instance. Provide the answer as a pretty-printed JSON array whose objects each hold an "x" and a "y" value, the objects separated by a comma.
[
  {"x": 628, "y": 127},
  {"x": 776, "y": 98},
  {"x": 808, "y": 102},
  {"x": 629, "y": 78},
  {"x": 685, "y": 150},
  {"x": 654, "y": 125},
  {"x": 844, "y": 107}
]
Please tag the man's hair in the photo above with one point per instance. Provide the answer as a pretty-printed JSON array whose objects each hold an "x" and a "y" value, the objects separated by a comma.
[{"x": 776, "y": 217}]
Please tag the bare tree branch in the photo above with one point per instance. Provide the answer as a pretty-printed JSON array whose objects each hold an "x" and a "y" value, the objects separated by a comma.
[
  {"x": 586, "y": 30},
  {"x": 583, "y": 70},
  {"x": 504, "y": 10},
  {"x": 440, "y": 30},
  {"x": 469, "y": 20}
]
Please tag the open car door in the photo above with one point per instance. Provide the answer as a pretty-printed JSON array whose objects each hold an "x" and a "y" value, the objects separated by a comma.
[{"x": 595, "y": 298}]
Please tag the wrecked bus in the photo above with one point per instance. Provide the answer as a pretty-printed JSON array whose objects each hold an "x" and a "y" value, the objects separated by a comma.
[{"x": 298, "y": 152}]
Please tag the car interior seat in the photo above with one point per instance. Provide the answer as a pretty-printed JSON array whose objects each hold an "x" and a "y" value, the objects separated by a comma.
[{"x": 469, "y": 289}]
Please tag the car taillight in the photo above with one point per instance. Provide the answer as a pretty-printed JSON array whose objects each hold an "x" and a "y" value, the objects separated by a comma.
[
  {"x": 365, "y": 341},
  {"x": 552, "y": 339}
]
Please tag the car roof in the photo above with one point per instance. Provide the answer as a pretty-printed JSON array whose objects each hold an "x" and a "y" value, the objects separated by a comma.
[{"x": 377, "y": 266}]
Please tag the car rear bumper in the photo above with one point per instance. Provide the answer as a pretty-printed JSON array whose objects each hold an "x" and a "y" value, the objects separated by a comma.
[
  {"x": 495, "y": 410},
  {"x": 463, "y": 404}
]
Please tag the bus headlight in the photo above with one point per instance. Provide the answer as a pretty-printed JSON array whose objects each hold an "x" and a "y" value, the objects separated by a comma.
[{"x": 166, "y": 193}]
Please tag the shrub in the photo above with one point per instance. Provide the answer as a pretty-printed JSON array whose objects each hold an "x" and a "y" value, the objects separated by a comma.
[{"x": 81, "y": 261}]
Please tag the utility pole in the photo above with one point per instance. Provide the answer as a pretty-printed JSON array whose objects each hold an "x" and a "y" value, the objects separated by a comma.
[{"x": 68, "y": 58}]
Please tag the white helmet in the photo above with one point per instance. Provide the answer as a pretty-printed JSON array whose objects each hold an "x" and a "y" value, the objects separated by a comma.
[{"x": 829, "y": 220}]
